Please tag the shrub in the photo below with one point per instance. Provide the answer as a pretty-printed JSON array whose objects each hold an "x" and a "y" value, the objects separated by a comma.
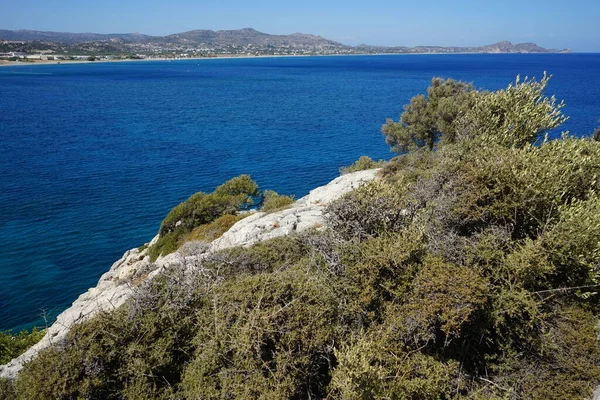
[
  {"x": 521, "y": 188},
  {"x": 374, "y": 368},
  {"x": 215, "y": 229},
  {"x": 363, "y": 163},
  {"x": 201, "y": 209},
  {"x": 275, "y": 254},
  {"x": 142, "y": 247},
  {"x": 444, "y": 298},
  {"x": 565, "y": 368},
  {"x": 275, "y": 202},
  {"x": 513, "y": 117},
  {"x": 7, "y": 389},
  {"x": 368, "y": 211},
  {"x": 13, "y": 345},
  {"x": 567, "y": 254},
  {"x": 269, "y": 334},
  {"x": 135, "y": 352},
  {"x": 379, "y": 270}
]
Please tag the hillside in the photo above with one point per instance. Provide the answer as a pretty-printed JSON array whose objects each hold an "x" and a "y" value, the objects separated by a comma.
[
  {"x": 249, "y": 36},
  {"x": 500, "y": 47},
  {"x": 207, "y": 42},
  {"x": 68, "y": 38}
]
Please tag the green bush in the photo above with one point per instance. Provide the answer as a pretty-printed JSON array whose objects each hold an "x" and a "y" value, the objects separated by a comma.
[
  {"x": 136, "y": 352},
  {"x": 363, "y": 163},
  {"x": 567, "y": 365},
  {"x": 525, "y": 187},
  {"x": 275, "y": 202},
  {"x": 368, "y": 211},
  {"x": 370, "y": 368},
  {"x": 567, "y": 254},
  {"x": 7, "y": 389},
  {"x": 13, "y": 345},
  {"x": 379, "y": 270},
  {"x": 201, "y": 209},
  {"x": 276, "y": 254},
  {"x": 215, "y": 229},
  {"x": 267, "y": 335},
  {"x": 513, "y": 117}
]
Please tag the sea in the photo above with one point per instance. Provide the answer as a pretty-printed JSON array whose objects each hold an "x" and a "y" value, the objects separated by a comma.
[{"x": 94, "y": 155}]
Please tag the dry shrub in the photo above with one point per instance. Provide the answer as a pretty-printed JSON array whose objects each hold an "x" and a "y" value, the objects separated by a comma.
[
  {"x": 274, "y": 202},
  {"x": 269, "y": 335},
  {"x": 368, "y": 211},
  {"x": 363, "y": 163},
  {"x": 215, "y": 229}
]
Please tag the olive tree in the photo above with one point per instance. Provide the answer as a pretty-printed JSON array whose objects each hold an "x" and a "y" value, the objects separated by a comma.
[
  {"x": 454, "y": 111},
  {"x": 512, "y": 117}
]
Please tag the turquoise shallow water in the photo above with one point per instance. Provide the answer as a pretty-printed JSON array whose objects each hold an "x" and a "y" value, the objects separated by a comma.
[{"x": 94, "y": 155}]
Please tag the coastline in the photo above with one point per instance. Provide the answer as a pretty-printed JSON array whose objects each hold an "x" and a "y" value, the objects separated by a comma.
[
  {"x": 4, "y": 63},
  {"x": 119, "y": 283},
  {"x": 223, "y": 57}
]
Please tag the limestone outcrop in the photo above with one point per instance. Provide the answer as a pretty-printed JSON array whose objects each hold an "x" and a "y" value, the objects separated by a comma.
[{"x": 117, "y": 285}]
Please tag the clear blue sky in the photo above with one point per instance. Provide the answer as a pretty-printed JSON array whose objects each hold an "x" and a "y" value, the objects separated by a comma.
[{"x": 549, "y": 23}]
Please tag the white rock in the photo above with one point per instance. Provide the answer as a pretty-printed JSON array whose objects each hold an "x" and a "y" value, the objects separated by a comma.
[
  {"x": 305, "y": 213},
  {"x": 112, "y": 290}
]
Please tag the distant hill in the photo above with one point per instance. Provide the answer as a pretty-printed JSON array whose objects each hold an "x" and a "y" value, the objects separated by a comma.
[
  {"x": 249, "y": 36},
  {"x": 68, "y": 38},
  {"x": 201, "y": 36},
  {"x": 508, "y": 47},
  {"x": 240, "y": 41},
  {"x": 500, "y": 47}
]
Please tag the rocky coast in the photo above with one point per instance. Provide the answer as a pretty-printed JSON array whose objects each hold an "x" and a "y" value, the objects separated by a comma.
[{"x": 134, "y": 267}]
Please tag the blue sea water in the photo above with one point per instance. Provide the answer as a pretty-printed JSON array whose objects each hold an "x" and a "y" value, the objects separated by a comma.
[{"x": 93, "y": 156}]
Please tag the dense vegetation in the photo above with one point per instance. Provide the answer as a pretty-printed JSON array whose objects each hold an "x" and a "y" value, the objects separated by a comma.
[
  {"x": 469, "y": 270},
  {"x": 14, "y": 344}
]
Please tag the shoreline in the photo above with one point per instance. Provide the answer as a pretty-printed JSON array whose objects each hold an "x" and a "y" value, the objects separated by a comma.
[{"x": 4, "y": 63}]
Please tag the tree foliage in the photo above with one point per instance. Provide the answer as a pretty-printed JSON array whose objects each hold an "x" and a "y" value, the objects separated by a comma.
[
  {"x": 429, "y": 119},
  {"x": 513, "y": 117},
  {"x": 454, "y": 110}
]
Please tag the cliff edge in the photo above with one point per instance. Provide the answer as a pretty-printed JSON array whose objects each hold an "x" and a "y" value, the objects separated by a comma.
[{"x": 134, "y": 267}]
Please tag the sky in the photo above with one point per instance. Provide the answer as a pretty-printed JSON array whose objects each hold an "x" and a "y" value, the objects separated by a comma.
[{"x": 549, "y": 23}]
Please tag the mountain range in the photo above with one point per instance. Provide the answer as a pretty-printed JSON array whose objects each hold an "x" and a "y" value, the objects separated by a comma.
[{"x": 234, "y": 41}]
